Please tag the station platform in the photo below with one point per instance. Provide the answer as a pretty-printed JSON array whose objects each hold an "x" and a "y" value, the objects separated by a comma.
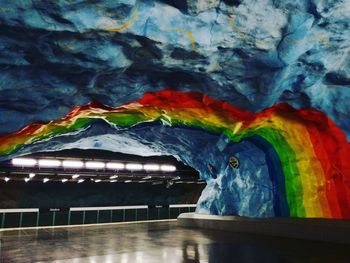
[
  {"x": 316, "y": 229},
  {"x": 158, "y": 241}
]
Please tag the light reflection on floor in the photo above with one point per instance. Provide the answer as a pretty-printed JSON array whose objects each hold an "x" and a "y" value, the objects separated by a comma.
[
  {"x": 168, "y": 255},
  {"x": 159, "y": 242}
]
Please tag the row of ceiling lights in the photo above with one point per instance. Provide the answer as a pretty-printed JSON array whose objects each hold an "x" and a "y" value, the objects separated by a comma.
[
  {"x": 75, "y": 176},
  {"x": 76, "y": 164},
  {"x": 45, "y": 180}
]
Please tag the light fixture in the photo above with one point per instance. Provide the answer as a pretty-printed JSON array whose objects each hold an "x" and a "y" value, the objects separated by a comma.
[
  {"x": 49, "y": 163},
  {"x": 7, "y": 179},
  {"x": 134, "y": 166},
  {"x": 127, "y": 181},
  {"x": 31, "y": 175},
  {"x": 26, "y": 179},
  {"x": 97, "y": 180},
  {"x": 75, "y": 176},
  {"x": 24, "y": 162},
  {"x": 113, "y": 177},
  {"x": 168, "y": 168},
  {"x": 151, "y": 167},
  {"x": 142, "y": 181},
  {"x": 64, "y": 180},
  {"x": 113, "y": 181},
  {"x": 115, "y": 166},
  {"x": 95, "y": 165},
  {"x": 45, "y": 180},
  {"x": 147, "y": 177},
  {"x": 80, "y": 181},
  {"x": 72, "y": 164},
  {"x": 169, "y": 183}
]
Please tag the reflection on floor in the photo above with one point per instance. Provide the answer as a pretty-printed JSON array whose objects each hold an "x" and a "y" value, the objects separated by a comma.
[{"x": 159, "y": 242}]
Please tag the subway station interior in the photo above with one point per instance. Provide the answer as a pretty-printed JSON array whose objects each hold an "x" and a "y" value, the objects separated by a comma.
[{"x": 149, "y": 131}]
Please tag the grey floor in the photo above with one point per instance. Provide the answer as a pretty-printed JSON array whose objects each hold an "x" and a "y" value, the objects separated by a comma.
[{"x": 159, "y": 242}]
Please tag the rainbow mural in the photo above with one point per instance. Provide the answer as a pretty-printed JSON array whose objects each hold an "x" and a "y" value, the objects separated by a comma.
[{"x": 313, "y": 153}]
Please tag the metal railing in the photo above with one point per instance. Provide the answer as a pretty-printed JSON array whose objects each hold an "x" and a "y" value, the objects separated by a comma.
[{"x": 35, "y": 217}]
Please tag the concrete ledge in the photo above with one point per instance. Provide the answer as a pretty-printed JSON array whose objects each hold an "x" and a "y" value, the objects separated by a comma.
[{"x": 328, "y": 230}]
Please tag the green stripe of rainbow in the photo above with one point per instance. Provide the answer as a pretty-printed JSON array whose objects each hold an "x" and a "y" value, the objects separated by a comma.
[{"x": 314, "y": 153}]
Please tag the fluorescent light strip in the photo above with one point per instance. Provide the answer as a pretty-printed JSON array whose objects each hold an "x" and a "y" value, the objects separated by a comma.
[
  {"x": 95, "y": 165},
  {"x": 113, "y": 181},
  {"x": 7, "y": 179},
  {"x": 151, "y": 167},
  {"x": 72, "y": 164},
  {"x": 75, "y": 176},
  {"x": 46, "y": 180},
  {"x": 113, "y": 177},
  {"x": 97, "y": 180},
  {"x": 26, "y": 179},
  {"x": 127, "y": 181},
  {"x": 49, "y": 163},
  {"x": 80, "y": 181},
  {"x": 168, "y": 168},
  {"x": 134, "y": 166},
  {"x": 64, "y": 180},
  {"x": 24, "y": 162},
  {"x": 115, "y": 166},
  {"x": 31, "y": 175}
]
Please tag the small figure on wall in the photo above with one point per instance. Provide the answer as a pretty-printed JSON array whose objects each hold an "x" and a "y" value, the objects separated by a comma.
[{"x": 234, "y": 162}]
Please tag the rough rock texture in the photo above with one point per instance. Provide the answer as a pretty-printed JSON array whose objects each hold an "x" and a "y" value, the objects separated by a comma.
[
  {"x": 58, "y": 54},
  {"x": 55, "y": 55},
  {"x": 245, "y": 191}
]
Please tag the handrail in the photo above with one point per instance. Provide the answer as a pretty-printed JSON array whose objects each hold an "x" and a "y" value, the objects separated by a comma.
[
  {"x": 101, "y": 208},
  {"x": 19, "y": 210},
  {"x": 66, "y": 216},
  {"x": 108, "y": 208},
  {"x": 182, "y": 205}
]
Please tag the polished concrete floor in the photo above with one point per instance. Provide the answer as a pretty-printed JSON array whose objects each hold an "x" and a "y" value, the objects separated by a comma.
[{"x": 159, "y": 242}]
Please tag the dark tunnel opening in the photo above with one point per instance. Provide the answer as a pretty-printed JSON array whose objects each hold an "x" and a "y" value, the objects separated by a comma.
[{"x": 96, "y": 187}]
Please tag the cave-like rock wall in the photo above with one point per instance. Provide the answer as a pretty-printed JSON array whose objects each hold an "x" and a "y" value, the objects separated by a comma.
[
  {"x": 279, "y": 162},
  {"x": 55, "y": 55},
  {"x": 59, "y": 54}
]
